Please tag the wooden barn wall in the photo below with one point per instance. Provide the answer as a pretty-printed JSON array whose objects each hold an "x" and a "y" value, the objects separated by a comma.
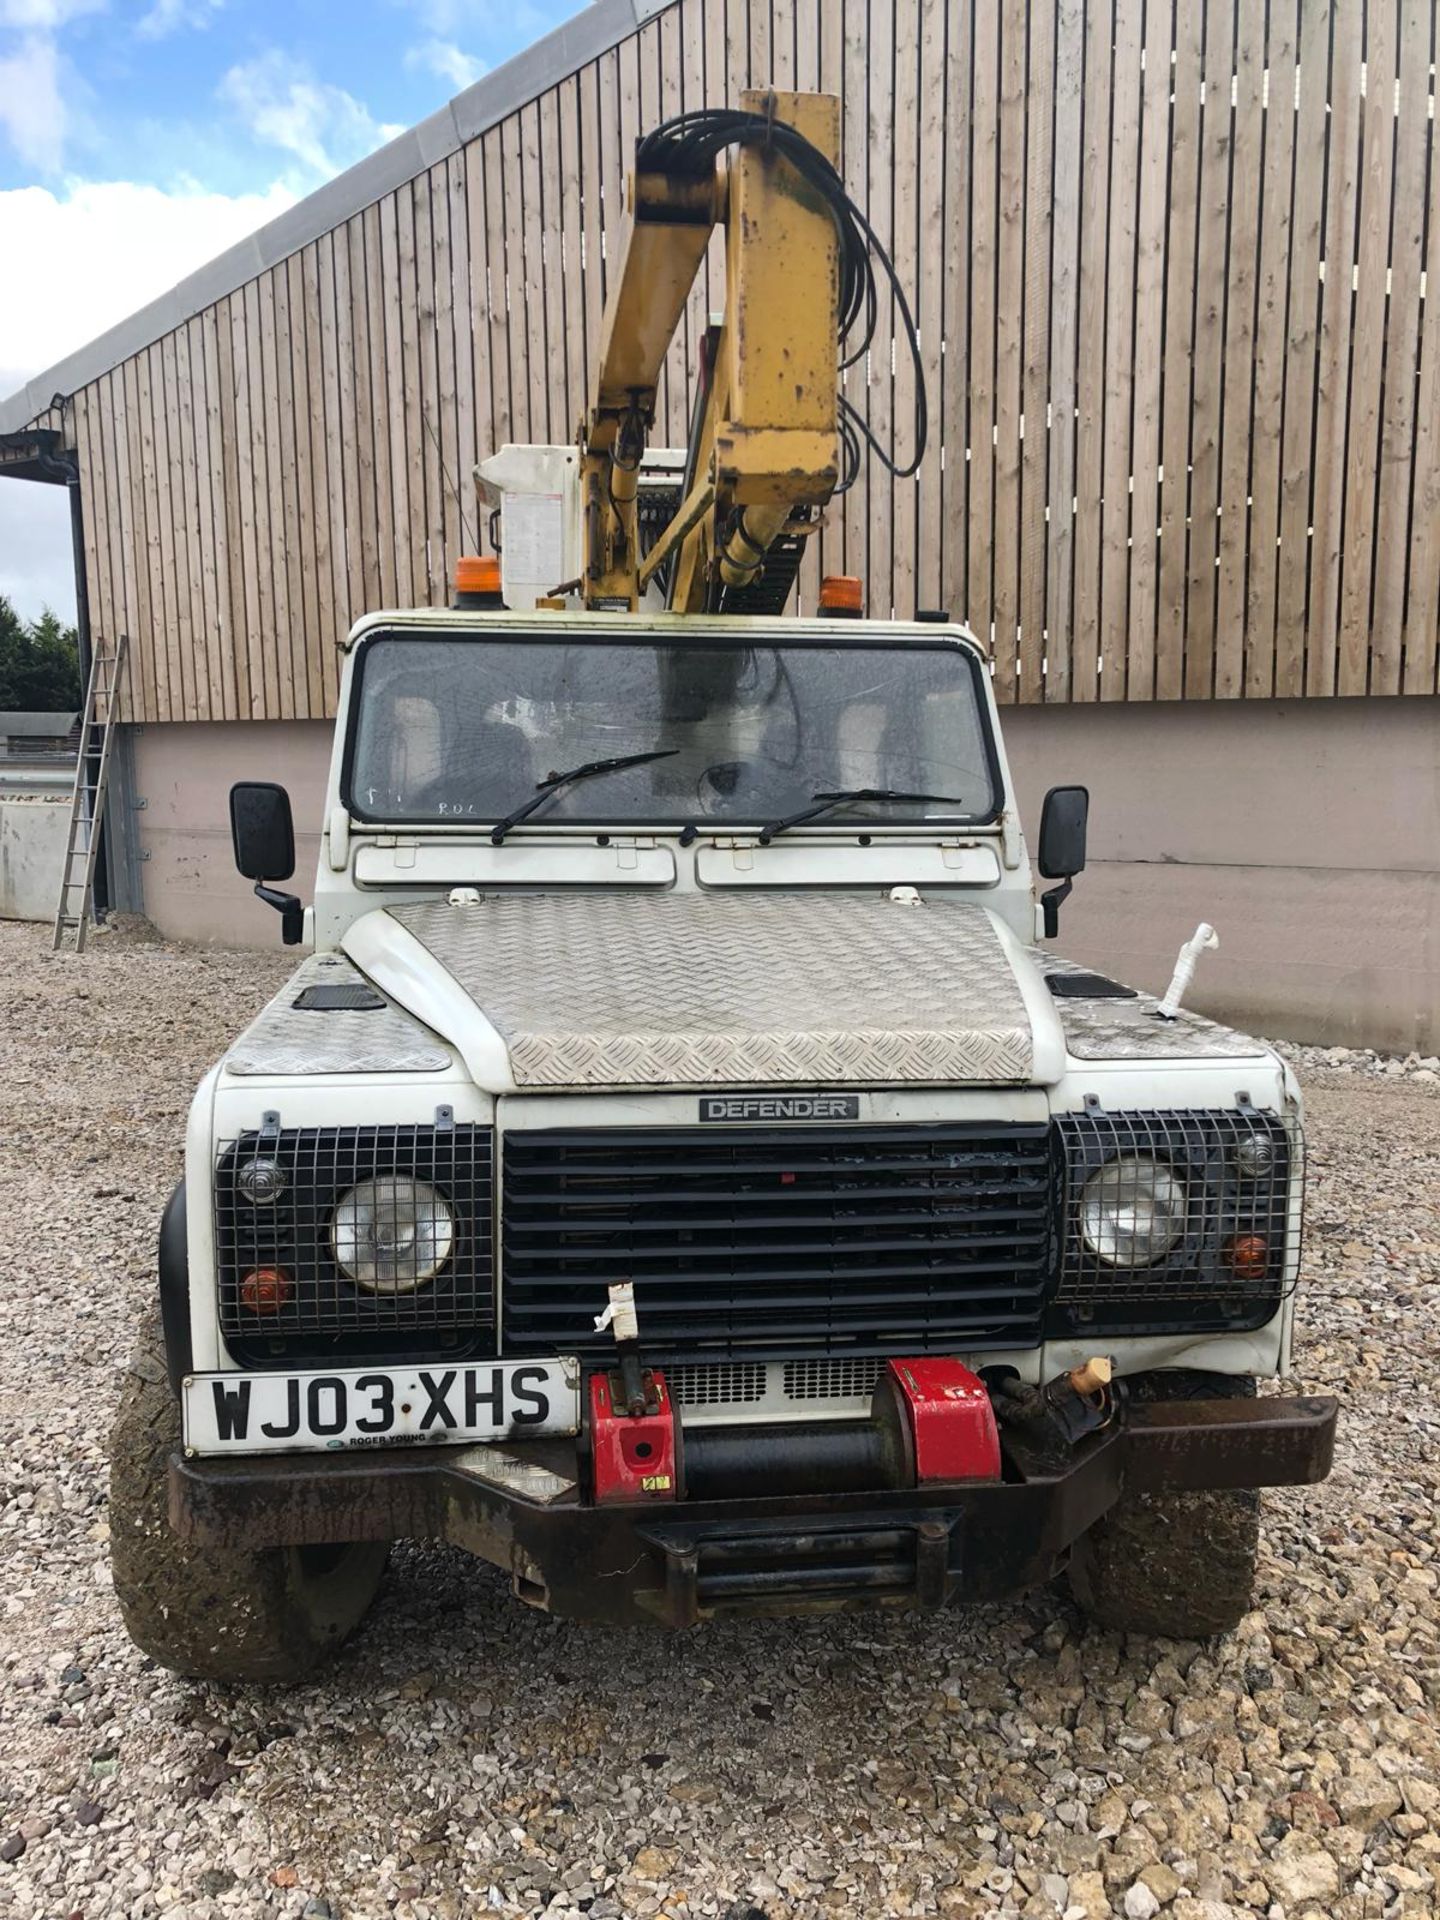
[{"x": 1168, "y": 259}]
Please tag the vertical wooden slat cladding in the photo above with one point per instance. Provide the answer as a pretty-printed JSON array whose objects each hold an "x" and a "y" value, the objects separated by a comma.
[
  {"x": 1039, "y": 101},
  {"x": 1402, "y": 345},
  {"x": 1178, "y": 341},
  {"x": 331, "y": 351},
  {"x": 1009, "y": 317},
  {"x": 1090, "y": 383},
  {"x": 1064, "y": 339},
  {"x": 984, "y": 187},
  {"x": 1367, "y": 367},
  {"x": 200, "y": 530},
  {"x": 1422, "y": 639},
  {"x": 428, "y": 323},
  {"x": 881, "y": 148},
  {"x": 1297, "y": 450},
  {"x": 1240, "y": 284},
  {"x": 570, "y": 225},
  {"x": 854, "y": 135},
  {"x": 1268, "y": 398},
  {"x": 826, "y": 551},
  {"x": 906, "y": 189},
  {"x": 407, "y": 396},
  {"x": 1136, "y": 641},
  {"x": 1206, "y": 394},
  {"x": 1175, "y": 266},
  {"x": 464, "y": 320},
  {"x": 1337, "y": 304},
  {"x": 1120, "y": 324}
]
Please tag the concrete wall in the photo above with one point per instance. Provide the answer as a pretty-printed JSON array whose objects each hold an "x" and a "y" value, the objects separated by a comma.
[
  {"x": 183, "y": 776},
  {"x": 1306, "y": 831},
  {"x": 33, "y": 827}
]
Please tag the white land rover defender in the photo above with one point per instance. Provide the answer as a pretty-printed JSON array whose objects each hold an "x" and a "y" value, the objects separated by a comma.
[{"x": 678, "y": 1176}]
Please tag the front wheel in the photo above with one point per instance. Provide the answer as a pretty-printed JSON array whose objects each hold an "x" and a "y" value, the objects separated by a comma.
[
  {"x": 216, "y": 1613},
  {"x": 1176, "y": 1564}
]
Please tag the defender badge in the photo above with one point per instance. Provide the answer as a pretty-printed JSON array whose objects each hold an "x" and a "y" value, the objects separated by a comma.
[{"x": 780, "y": 1106}]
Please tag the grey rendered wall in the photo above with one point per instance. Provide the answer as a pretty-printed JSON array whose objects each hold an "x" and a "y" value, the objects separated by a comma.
[
  {"x": 183, "y": 776},
  {"x": 1306, "y": 831}
]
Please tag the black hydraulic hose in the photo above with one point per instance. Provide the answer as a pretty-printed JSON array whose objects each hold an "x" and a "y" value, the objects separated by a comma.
[{"x": 692, "y": 142}]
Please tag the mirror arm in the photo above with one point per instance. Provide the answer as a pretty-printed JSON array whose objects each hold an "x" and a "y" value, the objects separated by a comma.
[
  {"x": 1050, "y": 903},
  {"x": 291, "y": 911}
]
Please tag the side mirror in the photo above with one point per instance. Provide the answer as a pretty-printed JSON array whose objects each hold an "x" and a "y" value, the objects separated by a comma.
[
  {"x": 263, "y": 832},
  {"x": 264, "y": 838},
  {"x": 1063, "y": 821}
]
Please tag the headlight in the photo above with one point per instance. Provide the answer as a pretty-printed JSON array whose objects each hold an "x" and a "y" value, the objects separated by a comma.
[
  {"x": 392, "y": 1235},
  {"x": 1132, "y": 1211}
]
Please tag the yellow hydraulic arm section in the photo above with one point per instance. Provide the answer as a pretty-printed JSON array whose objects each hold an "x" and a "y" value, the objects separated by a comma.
[{"x": 765, "y": 440}]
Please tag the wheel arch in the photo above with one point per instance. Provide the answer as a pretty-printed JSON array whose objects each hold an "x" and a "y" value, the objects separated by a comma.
[{"x": 174, "y": 1265}]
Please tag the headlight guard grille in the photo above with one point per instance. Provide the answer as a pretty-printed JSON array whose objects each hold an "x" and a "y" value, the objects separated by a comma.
[
  {"x": 327, "y": 1313},
  {"x": 1201, "y": 1281}
]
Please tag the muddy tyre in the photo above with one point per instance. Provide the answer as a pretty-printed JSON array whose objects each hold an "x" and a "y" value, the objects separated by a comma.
[
  {"x": 216, "y": 1613},
  {"x": 1176, "y": 1564}
]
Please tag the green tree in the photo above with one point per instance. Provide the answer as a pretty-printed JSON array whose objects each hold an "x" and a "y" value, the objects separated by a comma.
[{"x": 39, "y": 664}]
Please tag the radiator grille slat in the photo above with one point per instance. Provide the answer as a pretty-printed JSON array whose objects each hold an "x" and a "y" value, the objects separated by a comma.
[{"x": 857, "y": 1239}]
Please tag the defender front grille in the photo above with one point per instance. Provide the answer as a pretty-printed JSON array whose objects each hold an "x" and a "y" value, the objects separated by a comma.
[
  {"x": 1217, "y": 1202},
  {"x": 797, "y": 1241},
  {"x": 328, "y": 1313}
]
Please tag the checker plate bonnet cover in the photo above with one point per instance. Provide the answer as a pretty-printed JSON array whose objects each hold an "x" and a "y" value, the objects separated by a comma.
[
  {"x": 1129, "y": 1029},
  {"x": 285, "y": 1039},
  {"x": 594, "y": 990}
]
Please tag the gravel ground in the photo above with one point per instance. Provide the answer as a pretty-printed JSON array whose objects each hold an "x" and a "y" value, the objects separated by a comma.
[{"x": 465, "y": 1756}]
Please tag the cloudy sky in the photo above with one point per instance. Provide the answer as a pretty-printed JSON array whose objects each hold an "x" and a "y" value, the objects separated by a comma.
[{"x": 140, "y": 137}]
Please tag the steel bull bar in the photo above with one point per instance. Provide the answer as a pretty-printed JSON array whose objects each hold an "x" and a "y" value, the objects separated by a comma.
[{"x": 523, "y": 1507}]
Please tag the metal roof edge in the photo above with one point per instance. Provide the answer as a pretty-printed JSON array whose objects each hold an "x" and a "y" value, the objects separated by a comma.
[{"x": 601, "y": 25}]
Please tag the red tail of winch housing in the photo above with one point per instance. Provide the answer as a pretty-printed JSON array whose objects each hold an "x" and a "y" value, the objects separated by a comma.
[{"x": 636, "y": 1457}]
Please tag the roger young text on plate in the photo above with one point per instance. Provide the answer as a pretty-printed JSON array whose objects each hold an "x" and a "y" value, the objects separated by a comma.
[{"x": 780, "y": 1106}]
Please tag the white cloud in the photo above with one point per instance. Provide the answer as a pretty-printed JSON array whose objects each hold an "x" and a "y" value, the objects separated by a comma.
[
  {"x": 32, "y": 112},
  {"x": 447, "y": 61},
  {"x": 283, "y": 105},
  {"x": 107, "y": 248},
  {"x": 170, "y": 16},
  {"x": 45, "y": 16}
]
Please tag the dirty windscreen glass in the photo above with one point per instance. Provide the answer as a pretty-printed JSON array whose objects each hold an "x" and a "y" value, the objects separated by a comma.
[{"x": 451, "y": 729}]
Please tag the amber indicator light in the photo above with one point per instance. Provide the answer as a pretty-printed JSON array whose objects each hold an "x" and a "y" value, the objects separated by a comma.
[
  {"x": 842, "y": 593},
  {"x": 266, "y": 1290},
  {"x": 1248, "y": 1256}
]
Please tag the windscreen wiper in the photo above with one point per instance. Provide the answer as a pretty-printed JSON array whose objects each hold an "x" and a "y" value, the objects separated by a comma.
[
  {"x": 544, "y": 788},
  {"x": 828, "y": 801}
]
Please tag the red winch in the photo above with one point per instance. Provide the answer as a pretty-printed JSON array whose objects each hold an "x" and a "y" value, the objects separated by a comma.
[
  {"x": 635, "y": 1456},
  {"x": 940, "y": 1415},
  {"x": 930, "y": 1421}
]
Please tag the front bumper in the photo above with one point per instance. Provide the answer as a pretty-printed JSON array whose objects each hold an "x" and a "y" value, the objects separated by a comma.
[{"x": 521, "y": 1507}]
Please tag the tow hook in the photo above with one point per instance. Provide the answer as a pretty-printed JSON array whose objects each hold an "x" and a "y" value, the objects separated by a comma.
[{"x": 1065, "y": 1410}]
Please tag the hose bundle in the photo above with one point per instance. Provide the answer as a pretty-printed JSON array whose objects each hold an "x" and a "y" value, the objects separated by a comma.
[{"x": 692, "y": 142}]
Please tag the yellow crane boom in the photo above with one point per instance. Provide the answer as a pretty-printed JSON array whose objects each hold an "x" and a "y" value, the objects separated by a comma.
[{"x": 767, "y": 438}]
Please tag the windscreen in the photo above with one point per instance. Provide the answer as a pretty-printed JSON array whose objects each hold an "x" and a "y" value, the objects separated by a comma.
[{"x": 451, "y": 729}]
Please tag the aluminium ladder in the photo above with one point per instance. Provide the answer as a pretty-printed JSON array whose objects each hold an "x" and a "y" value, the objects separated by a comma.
[{"x": 87, "y": 805}]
